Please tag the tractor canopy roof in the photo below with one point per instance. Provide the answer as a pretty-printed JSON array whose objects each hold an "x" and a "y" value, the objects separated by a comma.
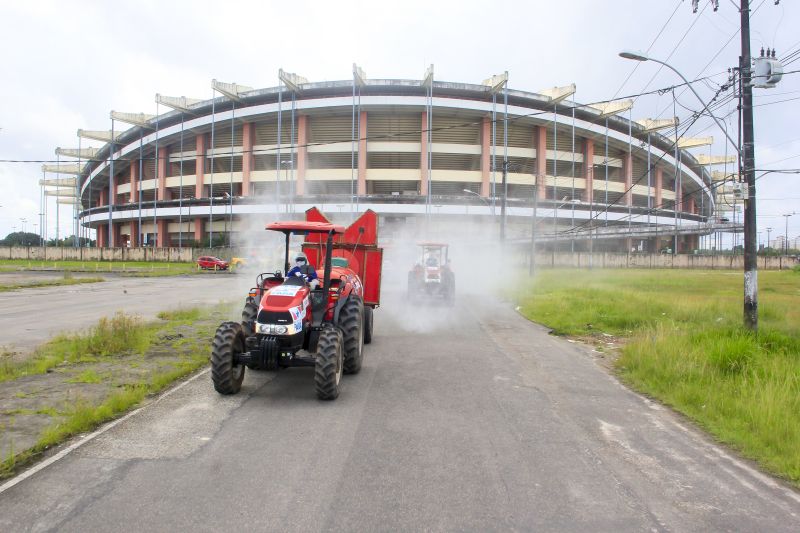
[
  {"x": 303, "y": 226},
  {"x": 432, "y": 244}
]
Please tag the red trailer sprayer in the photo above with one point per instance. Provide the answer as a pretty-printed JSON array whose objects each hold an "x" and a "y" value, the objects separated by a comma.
[{"x": 318, "y": 317}]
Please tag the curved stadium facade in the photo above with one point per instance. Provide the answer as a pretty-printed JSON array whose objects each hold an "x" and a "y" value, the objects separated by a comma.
[{"x": 206, "y": 170}]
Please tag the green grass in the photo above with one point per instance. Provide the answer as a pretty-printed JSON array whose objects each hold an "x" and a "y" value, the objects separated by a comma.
[
  {"x": 87, "y": 376},
  {"x": 181, "y": 315},
  {"x": 684, "y": 344},
  {"x": 67, "y": 280},
  {"x": 153, "y": 268}
]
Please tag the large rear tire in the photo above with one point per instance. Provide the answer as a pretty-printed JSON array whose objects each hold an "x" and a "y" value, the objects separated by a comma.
[
  {"x": 329, "y": 364},
  {"x": 351, "y": 322},
  {"x": 368, "y": 322},
  {"x": 226, "y": 374}
]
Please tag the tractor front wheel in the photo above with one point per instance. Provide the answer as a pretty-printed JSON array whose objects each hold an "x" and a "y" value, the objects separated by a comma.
[
  {"x": 329, "y": 364},
  {"x": 351, "y": 322},
  {"x": 226, "y": 373}
]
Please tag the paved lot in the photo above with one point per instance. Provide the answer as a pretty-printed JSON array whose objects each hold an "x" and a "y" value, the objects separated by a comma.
[
  {"x": 472, "y": 420},
  {"x": 30, "y": 316}
]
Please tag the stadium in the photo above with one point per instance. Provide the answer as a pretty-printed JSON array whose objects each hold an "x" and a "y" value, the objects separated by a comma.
[{"x": 415, "y": 151}]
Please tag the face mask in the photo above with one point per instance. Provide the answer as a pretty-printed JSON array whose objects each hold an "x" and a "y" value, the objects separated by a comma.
[{"x": 300, "y": 263}]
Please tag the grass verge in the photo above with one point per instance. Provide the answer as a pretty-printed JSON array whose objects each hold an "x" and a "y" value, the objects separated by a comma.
[
  {"x": 5, "y": 287},
  {"x": 113, "y": 367},
  {"x": 683, "y": 343},
  {"x": 140, "y": 268}
]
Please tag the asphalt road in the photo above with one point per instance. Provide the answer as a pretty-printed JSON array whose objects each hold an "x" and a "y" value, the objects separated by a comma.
[
  {"x": 30, "y": 316},
  {"x": 473, "y": 420}
]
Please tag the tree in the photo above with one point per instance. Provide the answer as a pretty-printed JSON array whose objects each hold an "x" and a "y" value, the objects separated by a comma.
[{"x": 20, "y": 238}]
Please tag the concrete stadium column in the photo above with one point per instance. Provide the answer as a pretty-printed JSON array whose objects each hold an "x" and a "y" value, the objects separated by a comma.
[
  {"x": 302, "y": 154},
  {"x": 362, "y": 155},
  {"x": 248, "y": 159},
  {"x": 135, "y": 233},
  {"x": 423, "y": 157},
  {"x": 486, "y": 156},
  {"x": 101, "y": 235},
  {"x": 541, "y": 161},
  {"x": 103, "y": 196},
  {"x": 162, "y": 239},
  {"x": 198, "y": 229},
  {"x": 691, "y": 207},
  {"x": 200, "y": 165},
  {"x": 588, "y": 170},
  {"x": 134, "y": 181},
  {"x": 161, "y": 172},
  {"x": 116, "y": 235},
  {"x": 627, "y": 163}
]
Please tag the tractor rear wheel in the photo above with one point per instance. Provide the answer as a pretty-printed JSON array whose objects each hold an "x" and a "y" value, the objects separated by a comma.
[
  {"x": 368, "y": 321},
  {"x": 351, "y": 322},
  {"x": 329, "y": 364},
  {"x": 226, "y": 373}
]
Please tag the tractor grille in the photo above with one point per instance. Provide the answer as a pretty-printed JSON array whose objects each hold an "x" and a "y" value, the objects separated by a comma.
[{"x": 274, "y": 317}]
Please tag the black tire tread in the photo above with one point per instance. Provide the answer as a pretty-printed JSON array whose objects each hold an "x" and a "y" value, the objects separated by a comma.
[
  {"x": 228, "y": 338},
  {"x": 368, "y": 323},
  {"x": 329, "y": 347},
  {"x": 249, "y": 315},
  {"x": 351, "y": 322}
]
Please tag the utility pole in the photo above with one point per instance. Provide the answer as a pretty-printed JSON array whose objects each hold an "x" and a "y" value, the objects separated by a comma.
[{"x": 748, "y": 169}]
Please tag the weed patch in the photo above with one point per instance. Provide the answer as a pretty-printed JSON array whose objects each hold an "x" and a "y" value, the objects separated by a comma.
[{"x": 683, "y": 343}]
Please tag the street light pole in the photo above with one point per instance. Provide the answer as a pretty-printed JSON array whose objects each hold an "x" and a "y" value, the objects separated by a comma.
[{"x": 769, "y": 230}]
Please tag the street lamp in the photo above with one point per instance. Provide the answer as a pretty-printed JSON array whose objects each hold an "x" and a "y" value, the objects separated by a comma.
[
  {"x": 769, "y": 230},
  {"x": 786, "y": 233}
]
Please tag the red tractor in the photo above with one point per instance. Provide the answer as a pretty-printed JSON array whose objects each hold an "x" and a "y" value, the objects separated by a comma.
[
  {"x": 288, "y": 322},
  {"x": 432, "y": 276}
]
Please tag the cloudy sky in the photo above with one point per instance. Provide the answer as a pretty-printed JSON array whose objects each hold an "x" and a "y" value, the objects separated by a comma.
[{"x": 68, "y": 63}]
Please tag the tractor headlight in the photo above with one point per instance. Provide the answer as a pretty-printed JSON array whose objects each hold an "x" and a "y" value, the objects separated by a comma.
[{"x": 272, "y": 329}]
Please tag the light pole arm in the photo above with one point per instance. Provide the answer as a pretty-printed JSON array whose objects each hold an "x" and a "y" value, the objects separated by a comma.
[{"x": 705, "y": 107}]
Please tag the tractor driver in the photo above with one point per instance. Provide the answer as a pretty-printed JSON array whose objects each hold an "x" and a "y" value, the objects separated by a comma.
[
  {"x": 303, "y": 269},
  {"x": 431, "y": 261}
]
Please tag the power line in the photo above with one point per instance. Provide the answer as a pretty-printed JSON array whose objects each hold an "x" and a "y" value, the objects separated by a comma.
[{"x": 653, "y": 42}]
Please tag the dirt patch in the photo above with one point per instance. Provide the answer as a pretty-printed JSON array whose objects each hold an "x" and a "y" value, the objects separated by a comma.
[{"x": 32, "y": 404}]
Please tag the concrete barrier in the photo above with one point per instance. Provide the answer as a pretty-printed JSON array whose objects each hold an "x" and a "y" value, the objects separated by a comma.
[
  {"x": 57, "y": 253},
  {"x": 543, "y": 259},
  {"x": 633, "y": 260}
]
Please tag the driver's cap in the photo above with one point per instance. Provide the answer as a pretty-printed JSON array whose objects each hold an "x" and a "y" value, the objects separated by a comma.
[{"x": 301, "y": 257}]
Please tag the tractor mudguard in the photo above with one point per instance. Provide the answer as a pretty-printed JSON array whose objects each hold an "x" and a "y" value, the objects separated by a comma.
[{"x": 339, "y": 304}]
